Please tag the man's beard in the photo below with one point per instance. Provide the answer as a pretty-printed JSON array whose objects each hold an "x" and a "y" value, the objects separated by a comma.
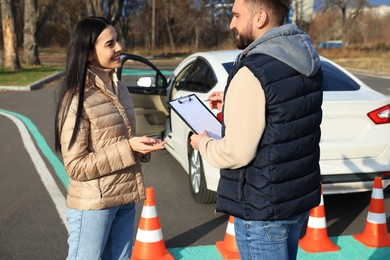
[{"x": 246, "y": 38}]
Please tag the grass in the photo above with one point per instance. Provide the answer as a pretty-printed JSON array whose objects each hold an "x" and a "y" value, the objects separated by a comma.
[
  {"x": 373, "y": 61},
  {"x": 27, "y": 76}
]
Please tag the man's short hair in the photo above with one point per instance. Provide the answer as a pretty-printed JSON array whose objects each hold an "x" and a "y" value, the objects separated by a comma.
[{"x": 277, "y": 9}]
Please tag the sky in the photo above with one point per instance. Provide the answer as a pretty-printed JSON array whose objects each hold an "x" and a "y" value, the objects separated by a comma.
[
  {"x": 379, "y": 2},
  {"x": 317, "y": 3}
]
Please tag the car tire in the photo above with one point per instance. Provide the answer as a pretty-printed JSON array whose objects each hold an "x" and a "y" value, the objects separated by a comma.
[{"x": 197, "y": 180}]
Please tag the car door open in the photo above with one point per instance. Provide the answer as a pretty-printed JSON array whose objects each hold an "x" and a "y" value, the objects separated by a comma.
[{"x": 147, "y": 87}]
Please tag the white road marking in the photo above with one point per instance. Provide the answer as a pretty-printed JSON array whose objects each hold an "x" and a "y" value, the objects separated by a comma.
[{"x": 46, "y": 178}]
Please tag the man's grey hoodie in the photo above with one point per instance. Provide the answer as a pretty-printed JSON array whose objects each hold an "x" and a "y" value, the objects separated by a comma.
[{"x": 288, "y": 44}]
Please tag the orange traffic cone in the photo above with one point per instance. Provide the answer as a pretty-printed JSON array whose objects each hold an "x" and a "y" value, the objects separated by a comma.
[
  {"x": 228, "y": 247},
  {"x": 375, "y": 233},
  {"x": 149, "y": 243},
  {"x": 316, "y": 239}
]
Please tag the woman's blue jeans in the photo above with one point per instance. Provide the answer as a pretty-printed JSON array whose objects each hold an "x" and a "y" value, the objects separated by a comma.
[
  {"x": 101, "y": 234},
  {"x": 269, "y": 239}
]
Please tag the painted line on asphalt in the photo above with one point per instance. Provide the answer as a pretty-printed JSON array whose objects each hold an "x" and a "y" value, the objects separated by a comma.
[
  {"x": 43, "y": 146},
  {"x": 349, "y": 246},
  {"x": 46, "y": 177},
  {"x": 132, "y": 72}
]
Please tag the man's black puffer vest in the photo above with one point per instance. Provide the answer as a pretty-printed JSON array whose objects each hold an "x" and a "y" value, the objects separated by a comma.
[{"x": 284, "y": 178}]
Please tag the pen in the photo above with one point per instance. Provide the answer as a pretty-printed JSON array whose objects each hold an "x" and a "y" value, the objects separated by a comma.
[{"x": 207, "y": 100}]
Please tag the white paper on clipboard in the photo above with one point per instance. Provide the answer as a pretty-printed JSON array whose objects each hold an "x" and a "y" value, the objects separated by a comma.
[{"x": 197, "y": 116}]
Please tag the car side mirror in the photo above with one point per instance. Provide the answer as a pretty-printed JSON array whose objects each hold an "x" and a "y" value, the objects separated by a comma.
[{"x": 146, "y": 82}]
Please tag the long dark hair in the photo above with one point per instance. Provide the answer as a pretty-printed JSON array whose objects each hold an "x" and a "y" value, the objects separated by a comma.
[{"x": 82, "y": 42}]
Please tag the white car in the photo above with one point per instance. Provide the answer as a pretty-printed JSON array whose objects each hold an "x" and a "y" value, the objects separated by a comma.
[{"x": 355, "y": 140}]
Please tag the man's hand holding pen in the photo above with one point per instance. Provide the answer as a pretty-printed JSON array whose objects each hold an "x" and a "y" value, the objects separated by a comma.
[{"x": 216, "y": 100}]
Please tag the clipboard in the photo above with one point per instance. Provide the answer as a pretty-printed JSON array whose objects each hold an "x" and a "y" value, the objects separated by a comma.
[{"x": 196, "y": 115}]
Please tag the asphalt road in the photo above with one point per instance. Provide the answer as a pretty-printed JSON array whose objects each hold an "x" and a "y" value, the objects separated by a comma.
[
  {"x": 32, "y": 228},
  {"x": 381, "y": 84}
]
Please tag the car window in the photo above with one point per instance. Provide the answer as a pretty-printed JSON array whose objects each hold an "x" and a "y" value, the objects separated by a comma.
[
  {"x": 136, "y": 74},
  {"x": 336, "y": 80},
  {"x": 228, "y": 66},
  {"x": 180, "y": 79},
  {"x": 200, "y": 78}
]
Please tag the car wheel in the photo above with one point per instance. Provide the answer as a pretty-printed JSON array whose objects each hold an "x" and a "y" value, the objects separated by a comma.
[{"x": 197, "y": 180}]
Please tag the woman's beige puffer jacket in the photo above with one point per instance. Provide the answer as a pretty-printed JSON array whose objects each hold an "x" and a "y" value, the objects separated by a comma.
[{"x": 104, "y": 171}]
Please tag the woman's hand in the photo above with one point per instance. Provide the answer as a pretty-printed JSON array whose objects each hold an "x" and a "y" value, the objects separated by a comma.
[{"x": 144, "y": 144}]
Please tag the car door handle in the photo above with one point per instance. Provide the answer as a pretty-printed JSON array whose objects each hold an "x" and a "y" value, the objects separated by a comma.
[{"x": 149, "y": 91}]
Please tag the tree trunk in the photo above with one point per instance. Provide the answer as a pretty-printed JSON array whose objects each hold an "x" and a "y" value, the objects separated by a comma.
[
  {"x": 11, "y": 58},
  {"x": 95, "y": 7},
  {"x": 30, "y": 47},
  {"x": 153, "y": 24},
  {"x": 168, "y": 25},
  {"x": 197, "y": 36}
]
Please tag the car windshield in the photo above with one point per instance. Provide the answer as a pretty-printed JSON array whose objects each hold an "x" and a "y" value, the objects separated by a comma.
[{"x": 334, "y": 79}]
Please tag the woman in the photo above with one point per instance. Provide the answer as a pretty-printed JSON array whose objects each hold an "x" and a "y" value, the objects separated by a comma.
[{"x": 95, "y": 132}]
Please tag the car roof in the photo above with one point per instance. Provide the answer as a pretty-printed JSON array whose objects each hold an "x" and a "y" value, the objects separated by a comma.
[{"x": 221, "y": 56}]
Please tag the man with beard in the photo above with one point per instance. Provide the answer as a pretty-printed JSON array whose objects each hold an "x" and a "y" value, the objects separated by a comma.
[{"x": 269, "y": 153}]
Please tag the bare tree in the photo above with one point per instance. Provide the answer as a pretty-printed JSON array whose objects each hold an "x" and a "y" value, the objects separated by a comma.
[
  {"x": 110, "y": 9},
  {"x": 168, "y": 18},
  {"x": 350, "y": 11},
  {"x": 153, "y": 36},
  {"x": 324, "y": 27},
  {"x": 30, "y": 47},
  {"x": 69, "y": 13},
  {"x": 199, "y": 23},
  {"x": 190, "y": 25},
  {"x": 94, "y": 7},
  {"x": 134, "y": 23},
  {"x": 184, "y": 24},
  {"x": 215, "y": 25},
  {"x": 11, "y": 58}
]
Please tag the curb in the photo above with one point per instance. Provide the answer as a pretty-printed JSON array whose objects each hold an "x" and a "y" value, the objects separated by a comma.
[{"x": 33, "y": 86}]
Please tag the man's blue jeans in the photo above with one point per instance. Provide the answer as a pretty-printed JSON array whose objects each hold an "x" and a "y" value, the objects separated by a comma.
[
  {"x": 101, "y": 234},
  {"x": 269, "y": 239}
]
